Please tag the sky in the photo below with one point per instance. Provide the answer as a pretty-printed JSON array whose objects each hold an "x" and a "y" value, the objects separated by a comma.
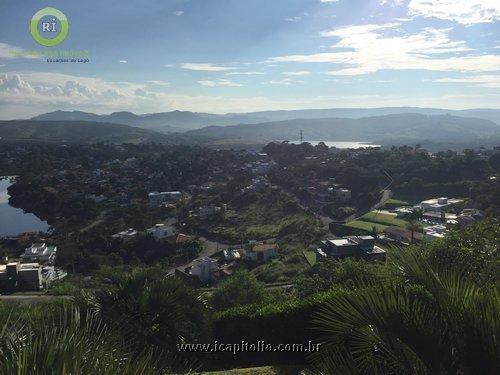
[{"x": 222, "y": 56}]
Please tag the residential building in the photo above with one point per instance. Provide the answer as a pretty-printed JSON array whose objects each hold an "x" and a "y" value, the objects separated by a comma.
[
  {"x": 403, "y": 235},
  {"x": 20, "y": 277},
  {"x": 204, "y": 269},
  {"x": 233, "y": 254},
  {"x": 262, "y": 252},
  {"x": 438, "y": 204},
  {"x": 39, "y": 252},
  {"x": 156, "y": 198},
  {"x": 352, "y": 246},
  {"x": 161, "y": 232},
  {"x": 125, "y": 235},
  {"x": 434, "y": 232}
]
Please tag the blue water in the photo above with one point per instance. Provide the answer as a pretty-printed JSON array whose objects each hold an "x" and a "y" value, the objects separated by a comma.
[{"x": 14, "y": 221}]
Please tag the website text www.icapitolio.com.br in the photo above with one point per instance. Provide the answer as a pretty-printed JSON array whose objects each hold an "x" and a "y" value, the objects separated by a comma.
[{"x": 249, "y": 347}]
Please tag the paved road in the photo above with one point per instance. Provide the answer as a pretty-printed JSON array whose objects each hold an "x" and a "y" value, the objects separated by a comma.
[{"x": 211, "y": 247}]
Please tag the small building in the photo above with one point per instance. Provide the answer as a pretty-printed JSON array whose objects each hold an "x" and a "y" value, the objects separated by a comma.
[
  {"x": 434, "y": 232},
  {"x": 402, "y": 235},
  {"x": 125, "y": 235},
  {"x": 352, "y": 246},
  {"x": 233, "y": 254},
  {"x": 262, "y": 252},
  {"x": 40, "y": 252},
  {"x": 20, "y": 277},
  {"x": 205, "y": 269},
  {"x": 438, "y": 204},
  {"x": 156, "y": 198},
  {"x": 162, "y": 232}
]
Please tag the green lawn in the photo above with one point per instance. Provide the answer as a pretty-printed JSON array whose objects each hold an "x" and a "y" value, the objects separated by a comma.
[
  {"x": 310, "y": 257},
  {"x": 384, "y": 219},
  {"x": 392, "y": 203},
  {"x": 365, "y": 225}
]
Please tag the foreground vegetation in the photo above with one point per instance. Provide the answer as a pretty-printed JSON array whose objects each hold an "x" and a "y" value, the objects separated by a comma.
[{"x": 431, "y": 309}]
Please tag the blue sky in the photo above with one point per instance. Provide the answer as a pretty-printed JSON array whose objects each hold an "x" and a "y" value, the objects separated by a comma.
[{"x": 248, "y": 55}]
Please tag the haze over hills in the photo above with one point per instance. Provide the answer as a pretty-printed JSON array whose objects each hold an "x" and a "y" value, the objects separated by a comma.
[
  {"x": 386, "y": 130},
  {"x": 76, "y": 131},
  {"x": 178, "y": 121}
]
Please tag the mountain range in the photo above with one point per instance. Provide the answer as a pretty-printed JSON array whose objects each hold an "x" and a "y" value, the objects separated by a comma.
[{"x": 179, "y": 121}]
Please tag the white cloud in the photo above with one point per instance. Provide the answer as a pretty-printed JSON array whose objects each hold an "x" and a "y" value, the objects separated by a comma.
[
  {"x": 299, "y": 73},
  {"x": 462, "y": 11},
  {"x": 219, "y": 83},
  {"x": 392, "y": 2},
  {"x": 159, "y": 83},
  {"x": 369, "y": 48},
  {"x": 205, "y": 67},
  {"x": 490, "y": 81},
  {"x": 293, "y": 19},
  {"x": 244, "y": 73},
  {"x": 123, "y": 61},
  {"x": 284, "y": 81},
  {"x": 178, "y": 13},
  {"x": 329, "y": 1}
]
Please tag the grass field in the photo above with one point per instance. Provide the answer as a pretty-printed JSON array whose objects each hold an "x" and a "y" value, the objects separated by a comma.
[
  {"x": 384, "y": 219},
  {"x": 310, "y": 257},
  {"x": 365, "y": 225},
  {"x": 392, "y": 203}
]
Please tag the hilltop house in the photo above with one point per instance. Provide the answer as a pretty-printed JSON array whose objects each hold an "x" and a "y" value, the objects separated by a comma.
[
  {"x": 438, "y": 204},
  {"x": 352, "y": 246},
  {"x": 39, "y": 252},
  {"x": 434, "y": 232}
]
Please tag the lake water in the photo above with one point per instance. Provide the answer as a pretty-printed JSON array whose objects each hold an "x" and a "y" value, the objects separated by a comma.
[
  {"x": 14, "y": 221},
  {"x": 341, "y": 144}
]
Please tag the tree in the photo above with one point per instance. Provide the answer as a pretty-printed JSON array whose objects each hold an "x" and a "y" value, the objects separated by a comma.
[
  {"x": 151, "y": 310},
  {"x": 241, "y": 289},
  {"x": 438, "y": 321},
  {"x": 62, "y": 340}
]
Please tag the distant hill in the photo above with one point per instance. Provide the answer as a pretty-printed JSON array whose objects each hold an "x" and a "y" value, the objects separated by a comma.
[
  {"x": 76, "y": 131},
  {"x": 389, "y": 129},
  {"x": 165, "y": 122},
  {"x": 179, "y": 121}
]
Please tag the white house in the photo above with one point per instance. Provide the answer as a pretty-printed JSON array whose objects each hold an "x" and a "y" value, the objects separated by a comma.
[
  {"x": 40, "y": 252},
  {"x": 434, "y": 232},
  {"x": 438, "y": 204},
  {"x": 125, "y": 235},
  {"x": 156, "y": 198},
  {"x": 20, "y": 276},
  {"x": 204, "y": 269},
  {"x": 162, "y": 231}
]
